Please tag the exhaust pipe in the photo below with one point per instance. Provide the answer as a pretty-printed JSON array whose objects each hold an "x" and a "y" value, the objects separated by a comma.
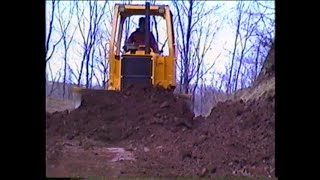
[{"x": 147, "y": 28}]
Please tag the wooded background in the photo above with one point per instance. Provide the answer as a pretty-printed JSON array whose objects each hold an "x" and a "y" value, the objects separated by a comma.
[{"x": 77, "y": 35}]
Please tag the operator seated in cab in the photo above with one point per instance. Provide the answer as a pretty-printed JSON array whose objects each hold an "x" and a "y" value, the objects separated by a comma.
[{"x": 138, "y": 37}]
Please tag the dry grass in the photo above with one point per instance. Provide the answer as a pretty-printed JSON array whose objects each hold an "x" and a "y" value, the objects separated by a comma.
[
  {"x": 265, "y": 88},
  {"x": 55, "y": 101},
  {"x": 264, "y": 84},
  {"x": 54, "y": 104}
]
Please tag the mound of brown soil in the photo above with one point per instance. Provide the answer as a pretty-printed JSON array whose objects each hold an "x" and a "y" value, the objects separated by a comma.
[
  {"x": 237, "y": 137},
  {"x": 111, "y": 116}
]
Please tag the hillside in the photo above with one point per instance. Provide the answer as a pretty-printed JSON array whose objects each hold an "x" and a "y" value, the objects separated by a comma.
[{"x": 264, "y": 85}]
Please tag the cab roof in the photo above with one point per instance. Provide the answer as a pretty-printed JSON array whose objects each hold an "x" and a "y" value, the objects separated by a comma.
[{"x": 139, "y": 9}]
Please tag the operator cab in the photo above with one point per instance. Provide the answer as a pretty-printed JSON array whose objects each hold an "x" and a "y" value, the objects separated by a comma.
[
  {"x": 156, "y": 23},
  {"x": 140, "y": 64}
]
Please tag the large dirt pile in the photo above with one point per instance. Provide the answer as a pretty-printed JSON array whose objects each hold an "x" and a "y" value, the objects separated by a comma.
[
  {"x": 111, "y": 116},
  {"x": 236, "y": 138}
]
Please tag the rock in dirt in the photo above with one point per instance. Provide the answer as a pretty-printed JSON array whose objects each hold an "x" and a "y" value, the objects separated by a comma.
[{"x": 164, "y": 104}]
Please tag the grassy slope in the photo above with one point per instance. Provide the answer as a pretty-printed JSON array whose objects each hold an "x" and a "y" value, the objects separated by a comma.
[{"x": 57, "y": 104}]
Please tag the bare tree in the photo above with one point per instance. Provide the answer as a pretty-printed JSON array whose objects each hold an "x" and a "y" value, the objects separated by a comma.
[
  {"x": 89, "y": 38},
  {"x": 249, "y": 43},
  {"x": 55, "y": 81},
  {"x": 249, "y": 28},
  {"x": 50, "y": 46},
  {"x": 190, "y": 15},
  {"x": 195, "y": 38},
  {"x": 103, "y": 50},
  {"x": 265, "y": 35},
  {"x": 49, "y": 40},
  {"x": 64, "y": 21},
  {"x": 72, "y": 76},
  {"x": 103, "y": 64},
  {"x": 261, "y": 39},
  {"x": 238, "y": 24},
  {"x": 198, "y": 69},
  {"x": 154, "y": 23},
  {"x": 128, "y": 23}
]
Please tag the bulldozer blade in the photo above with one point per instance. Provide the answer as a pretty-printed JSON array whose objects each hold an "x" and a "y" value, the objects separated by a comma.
[{"x": 76, "y": 97}]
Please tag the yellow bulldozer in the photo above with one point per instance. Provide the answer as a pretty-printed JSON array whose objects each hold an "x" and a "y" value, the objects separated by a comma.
[{"x": 139, "y": 64}]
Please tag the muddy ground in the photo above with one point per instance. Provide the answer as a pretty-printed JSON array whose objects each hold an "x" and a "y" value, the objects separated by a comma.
[{"x": 160, "y": 136}]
